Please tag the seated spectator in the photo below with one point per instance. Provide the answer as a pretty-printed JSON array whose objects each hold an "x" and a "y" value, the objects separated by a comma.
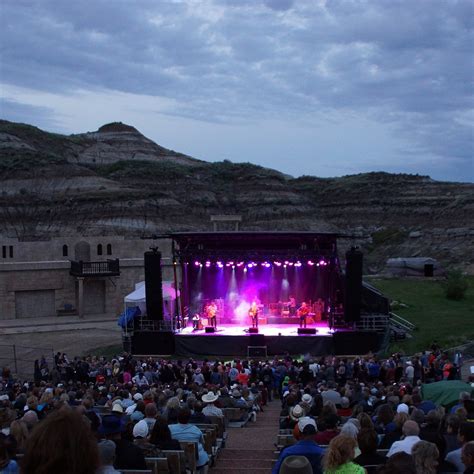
[
  {"x": 384, "y": 420},
  {"x": 150, "y": 415},
  {"x": 399, "y": 463},
  {"x": 140, "y": 439},
  {"x": 127, "y": 455},
  {"x": 339, "y": 457},
  {"x": 170, "y": 413},
  {"x": 465, "y": 435},
  {"x": 410, "y": 430},
  {"x": 306, "y": 447},
  {"x": 293, "y": 464},
  {"x": 198, "y": 416},
  {"x": 62, "y": 442},
  {"x": 430, "y": 431},
  {"x": 367, "y": 441},
  {"x": 451, "y": 436},
  {"x": 7, "y": 465},
  {"x": 345, "y": 409},
  {"x": 183, "y": 431},
  {"x": 107, "y": 457},
  {"x": 396, "y": 434},
  {"x": 161, "y": 436},
  {"x": 467, "y": 457},
  {"x": 425, "y": 455},
  {"x": 330, "y": 432},
  {"x": 19, "y": 431},
  {"x": 210, "y": 409},
  {"x": 463, "y": 396}
]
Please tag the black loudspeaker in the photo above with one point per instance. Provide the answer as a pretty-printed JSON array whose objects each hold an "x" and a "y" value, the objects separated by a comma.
[
  {"x": 353, "y": 289},
  {"x": 257, "y": 339},
  {"x": 210, "y": 329},
  {"x": 256, "y": 351},
  {"x": 253, "y": 330},
  {"x": 153, "y": 286},
  {"x": 306, "y": 330},
  {"x": 429, "y": 269}
]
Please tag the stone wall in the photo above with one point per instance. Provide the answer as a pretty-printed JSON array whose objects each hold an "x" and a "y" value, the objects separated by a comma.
[{"x": 38, "y": 268}]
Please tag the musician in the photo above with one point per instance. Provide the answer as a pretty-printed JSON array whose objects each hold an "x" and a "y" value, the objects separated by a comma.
[
  {"x": 253, "y": 313},
  {"x": 292, "y": 305},
  {"x": 303, "y": 311},
  {"x": 196, "y": 322},
  {"x": 211, "y": 311}
]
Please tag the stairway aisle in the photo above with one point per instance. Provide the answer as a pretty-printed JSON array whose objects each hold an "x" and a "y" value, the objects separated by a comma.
[{"x": 250, "y": 449}]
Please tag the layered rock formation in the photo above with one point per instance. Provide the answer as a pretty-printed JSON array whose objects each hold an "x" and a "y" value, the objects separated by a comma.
[{"x": 115, "y": 181}]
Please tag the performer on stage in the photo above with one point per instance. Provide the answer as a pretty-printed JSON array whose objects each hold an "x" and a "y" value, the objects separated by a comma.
[
  {"x": 253, "y": 313},
  {"x": 303, "y": 311},
  {"x": 292, "y": 305},
  {"x": 211, "y": 311},
  {"x": 196, "y": 322}
]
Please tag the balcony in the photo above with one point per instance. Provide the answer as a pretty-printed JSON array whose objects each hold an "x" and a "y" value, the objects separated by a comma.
[{"x": 106, "y": 268}]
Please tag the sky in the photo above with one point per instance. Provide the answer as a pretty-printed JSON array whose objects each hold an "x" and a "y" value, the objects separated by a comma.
[{"x": 318, "y": 87}]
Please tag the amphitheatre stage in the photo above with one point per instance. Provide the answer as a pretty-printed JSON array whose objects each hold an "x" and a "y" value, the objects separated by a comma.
[{"x": 228, "y": 282}]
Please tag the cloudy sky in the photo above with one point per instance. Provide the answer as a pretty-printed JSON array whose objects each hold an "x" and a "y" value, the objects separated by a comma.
[{"x": 320, "y": 87}]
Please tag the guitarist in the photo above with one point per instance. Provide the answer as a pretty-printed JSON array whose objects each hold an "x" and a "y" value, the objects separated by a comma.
[
  {"x": 303, "y": 311},
  {"x": 253, "y": 313},
  {"x": 211, "y": 314}
]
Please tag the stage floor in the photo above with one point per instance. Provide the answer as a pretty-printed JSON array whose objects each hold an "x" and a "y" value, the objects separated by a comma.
[{"x": 322, "y": 329}]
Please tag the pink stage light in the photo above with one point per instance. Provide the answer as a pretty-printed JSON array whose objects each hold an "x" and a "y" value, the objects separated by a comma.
[
  {"x": 250, "y": 265},
  {"x": 240, "y": 264},
  {"x": 284, "y": 266},
  {"x": 291, "y": 264},
  {"x": 278, "y": 264},
  {"x": 208, "y": 264},
  {"x": 322, "y": 262},
  {"x": 267, "y": 265},
  {"x": 298, "y": 264},
  {"x": 197, "y": 263},
  {"x": 286, "y": 262},
  {"x": 310, "y": 263}
]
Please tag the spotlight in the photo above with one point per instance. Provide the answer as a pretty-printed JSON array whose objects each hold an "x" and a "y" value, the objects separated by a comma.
[
  {"x": 284, "y": 266},
  {"x": 278, "y": 264},
  {"x": 298, "y": 264},
  {"x": 310, "y": 263},
  {"x": 208, "y": 264},
  {"x": 291, "y": 264},
  {"x": 197, "y": 263},
  {"x": 245, "y": 269},
  {"x": 267, "y": 265},
  {"x": 322, "y": 262},
  {"x": 240, "y": 264},
  {"x": 233, "y": 266}
]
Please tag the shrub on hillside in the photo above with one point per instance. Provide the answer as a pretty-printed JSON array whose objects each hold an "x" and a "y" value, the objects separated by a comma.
[{"x": 456, "y": 285}]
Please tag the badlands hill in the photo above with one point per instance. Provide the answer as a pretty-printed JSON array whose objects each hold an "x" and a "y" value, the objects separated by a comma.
[{"x": 115, "y": 181}]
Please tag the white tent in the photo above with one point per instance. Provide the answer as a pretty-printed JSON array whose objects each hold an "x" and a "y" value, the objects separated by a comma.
[
  {"x": 138, "y": 298},
  {"x": 138, "y": 295}
]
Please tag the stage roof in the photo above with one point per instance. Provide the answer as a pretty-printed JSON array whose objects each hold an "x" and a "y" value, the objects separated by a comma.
[{"x": 257, "y": 245}]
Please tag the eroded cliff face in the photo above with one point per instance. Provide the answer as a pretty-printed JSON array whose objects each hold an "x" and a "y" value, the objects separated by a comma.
[{"x": 117, "y": 182}]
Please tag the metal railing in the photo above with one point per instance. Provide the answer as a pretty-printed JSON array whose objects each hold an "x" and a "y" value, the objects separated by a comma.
[
  {"x": 88, "y": 269},
  {"x": 401, "y": 323},
  {"x": 373, "y": 322}
]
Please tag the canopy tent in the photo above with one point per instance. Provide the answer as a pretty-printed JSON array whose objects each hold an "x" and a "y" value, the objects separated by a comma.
[
  {"x": 138, "y": 295},
  {"x": 137, "y": 298},
  {"x": 445, "y": 392}
]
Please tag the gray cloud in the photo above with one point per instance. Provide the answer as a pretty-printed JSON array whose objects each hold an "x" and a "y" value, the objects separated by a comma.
[{"x": 407, "y": 64}]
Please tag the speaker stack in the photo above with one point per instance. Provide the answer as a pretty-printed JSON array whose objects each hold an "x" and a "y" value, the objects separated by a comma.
[
  {"x": 306, "y": 330},
  {"x": 353, "y": 290},
  {"x": 153, "y": 285}
]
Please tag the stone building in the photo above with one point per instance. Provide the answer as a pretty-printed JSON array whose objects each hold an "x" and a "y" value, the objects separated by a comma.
[{"x": 80, "y": 276}]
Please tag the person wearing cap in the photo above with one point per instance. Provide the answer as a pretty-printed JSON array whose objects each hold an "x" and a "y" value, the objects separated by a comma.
[
  {"x": 140, "y": 439},
  {"x": 127, "y": 455},
  {"x": 306, "y": 447},
  {"x": 210, "y": 409}
]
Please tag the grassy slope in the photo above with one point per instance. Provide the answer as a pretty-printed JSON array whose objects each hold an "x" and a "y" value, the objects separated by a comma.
[{"x": 437, "y": 318}]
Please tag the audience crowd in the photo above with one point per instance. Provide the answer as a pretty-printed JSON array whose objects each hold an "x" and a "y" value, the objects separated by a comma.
[{"x": 99, "y": 416}]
